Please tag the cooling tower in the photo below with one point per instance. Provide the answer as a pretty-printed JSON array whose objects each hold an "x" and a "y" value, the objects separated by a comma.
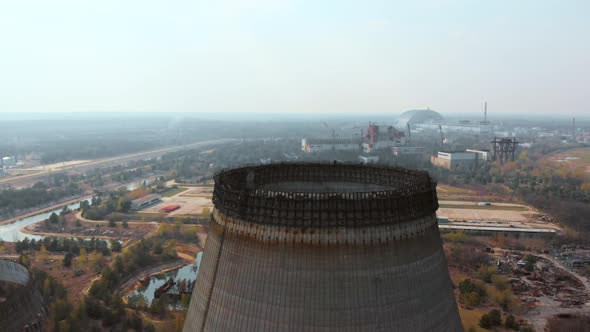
[
  {"x": 22, "y": 307},
  {"x": 323, "y": 247}
]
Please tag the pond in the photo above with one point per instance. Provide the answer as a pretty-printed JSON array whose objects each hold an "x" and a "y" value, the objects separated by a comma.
[{"x": 187, "y": 273}]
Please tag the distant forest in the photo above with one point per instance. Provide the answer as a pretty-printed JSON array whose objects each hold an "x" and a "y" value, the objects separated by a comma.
[
  {"x": 90, "y": 137},
  {"x": 12, "y": 200}
]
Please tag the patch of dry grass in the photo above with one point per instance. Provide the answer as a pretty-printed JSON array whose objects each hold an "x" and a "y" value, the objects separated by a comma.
[{"x": 470, "y": 318}]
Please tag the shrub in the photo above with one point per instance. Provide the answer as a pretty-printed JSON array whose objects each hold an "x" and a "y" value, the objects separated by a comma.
[
  {"x": 485, "y": 321},
  {"x": 500, "y": 282},
  {"x": 486, "y": 273},
  {"x": 491, "y": 319},
  {"x": 496, "y": 317},
  {"x": 510, "y": 323},
  {"x": 68, "y": 259},
  {"x": 473, "y": 299}
]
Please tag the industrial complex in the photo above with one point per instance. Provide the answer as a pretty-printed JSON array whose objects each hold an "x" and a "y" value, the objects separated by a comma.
[{"x": 417, "y": 137}]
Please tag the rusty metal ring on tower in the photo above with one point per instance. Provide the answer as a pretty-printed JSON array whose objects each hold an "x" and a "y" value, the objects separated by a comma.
[{"x": 324, "y": 194}]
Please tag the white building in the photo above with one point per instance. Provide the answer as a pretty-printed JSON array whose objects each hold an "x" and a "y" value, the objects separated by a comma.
[
  {"x": 145, "y": 201},
  {"x": 380, "y": 145},
  {"x": 408, "y": 150},
  {"x": 456, "y": 159},
  {"x": 9, "y": 161},
  {"x": 483, "y": 154},
  {"x": 369, "y": 159},
  {"x": 473, "y": 128},
  {"x": 310, "y": 145}
]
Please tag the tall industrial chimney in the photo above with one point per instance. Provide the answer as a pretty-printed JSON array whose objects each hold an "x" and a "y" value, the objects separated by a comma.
[
  {"x": 323, "y": 247},
  {"x": 574, "y": 131}
]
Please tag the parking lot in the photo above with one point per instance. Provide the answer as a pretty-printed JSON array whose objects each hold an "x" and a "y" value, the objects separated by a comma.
[{"x": 191, "y": 201}]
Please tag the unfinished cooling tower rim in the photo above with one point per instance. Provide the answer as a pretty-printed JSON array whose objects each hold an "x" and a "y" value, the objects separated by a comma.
[
  {"x": 319, "y": 195},
  {"x": 377, "y": 234}
]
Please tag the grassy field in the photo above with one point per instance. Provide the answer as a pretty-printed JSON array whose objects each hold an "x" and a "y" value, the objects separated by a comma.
[
  {"x": 455, "y": 193},
  {"x": 173, "y": 191},
  {"x": 470, "y": 318},
  {"x": 564, "y": 159},
  {"x": 485, "y": 207}
]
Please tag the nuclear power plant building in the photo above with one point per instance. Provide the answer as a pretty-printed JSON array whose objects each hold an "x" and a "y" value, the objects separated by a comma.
[{"x": 323, "y": 247}]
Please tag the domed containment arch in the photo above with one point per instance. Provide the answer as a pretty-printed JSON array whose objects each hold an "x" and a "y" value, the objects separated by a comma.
[{"x": 418, "y": 116}]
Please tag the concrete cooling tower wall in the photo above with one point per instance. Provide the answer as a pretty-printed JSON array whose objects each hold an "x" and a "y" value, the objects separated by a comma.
[
  {"x": 22, "y": 307},
  {"x": 323, "y": 247}
]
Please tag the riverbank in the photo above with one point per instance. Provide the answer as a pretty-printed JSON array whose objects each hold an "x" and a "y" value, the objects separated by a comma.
[
  {"x": 132, "y": 283},
  {"x": 69, "y": 235},
  {"x": 45, "y": 209}
]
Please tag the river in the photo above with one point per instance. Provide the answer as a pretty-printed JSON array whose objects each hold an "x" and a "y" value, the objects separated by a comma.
[
  {"x": 11, "y": 232},
  {"x": 187, "y": 272}
]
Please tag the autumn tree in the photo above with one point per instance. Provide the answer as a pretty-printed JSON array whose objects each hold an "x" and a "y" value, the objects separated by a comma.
[
  {"x": 205, "y": 213},
  {"x": 43, "y": 254},
  {"x": 83, "y": 259}
]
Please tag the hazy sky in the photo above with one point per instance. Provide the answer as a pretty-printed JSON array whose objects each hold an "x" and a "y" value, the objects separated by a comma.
[{"x": 295, "y": 56}]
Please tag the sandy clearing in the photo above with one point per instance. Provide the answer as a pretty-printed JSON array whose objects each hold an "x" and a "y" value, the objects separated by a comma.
[
  {"x": 191, "y": 201},
  {"x": 480, "y": 215}
]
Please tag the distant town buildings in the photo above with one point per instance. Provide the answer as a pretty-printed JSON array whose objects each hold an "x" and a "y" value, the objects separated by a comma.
[{"x": 9, "y": 161}]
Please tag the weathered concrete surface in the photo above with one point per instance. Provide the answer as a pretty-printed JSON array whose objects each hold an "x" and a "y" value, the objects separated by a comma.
[
  {"x": 24, "y": 308},
  {"x": 372, "y": 262},
  {"x": 245, "y": 284}
]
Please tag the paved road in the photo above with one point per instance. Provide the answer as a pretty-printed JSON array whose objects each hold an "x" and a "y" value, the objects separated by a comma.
[{"x": 114, "y": 160}]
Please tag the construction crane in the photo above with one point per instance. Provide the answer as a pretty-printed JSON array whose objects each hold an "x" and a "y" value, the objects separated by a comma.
[
  {"x": 442, "y": 139},
  {"x": 333, "y": 135},
  {"x": 362, "y": 131},
  {"x": 331, "y": 130}
]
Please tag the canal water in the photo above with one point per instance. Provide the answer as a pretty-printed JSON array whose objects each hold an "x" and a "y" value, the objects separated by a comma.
[
  {"x": 188, "y": 273},
  {"x": 11, "y": 232}
]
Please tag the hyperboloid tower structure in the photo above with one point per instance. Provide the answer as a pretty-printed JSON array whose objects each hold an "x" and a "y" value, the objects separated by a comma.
[
  {"x": 323, "y": 247},
  {"x": 22, "y": 308}
]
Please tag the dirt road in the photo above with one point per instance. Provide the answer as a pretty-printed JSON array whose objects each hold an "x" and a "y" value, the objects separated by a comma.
[
  {"x": 79, "y": 217},
  {"x": 558, "y": 264}
]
